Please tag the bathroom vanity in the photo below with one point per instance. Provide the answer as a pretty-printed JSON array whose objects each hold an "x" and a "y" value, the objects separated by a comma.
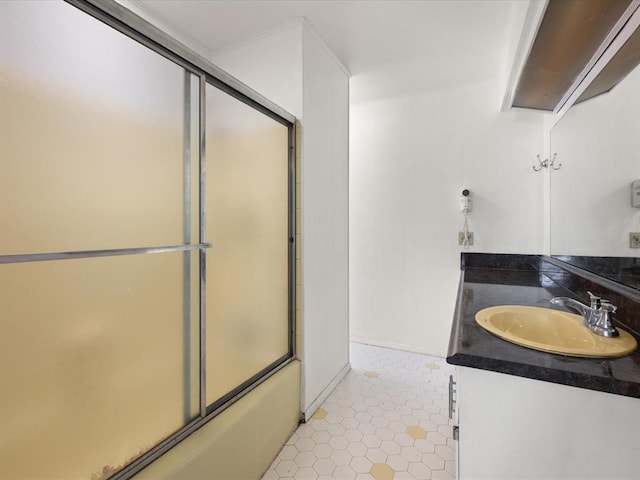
[{"x": 524, "y": 413}]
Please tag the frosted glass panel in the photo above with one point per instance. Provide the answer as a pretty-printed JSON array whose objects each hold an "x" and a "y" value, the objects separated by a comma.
[
  {"x": 94, "y": 363},
  {"x": 99, "y": 149},
  {"x": 91, "y": 135},
  {"x": 246, "y": 220}
]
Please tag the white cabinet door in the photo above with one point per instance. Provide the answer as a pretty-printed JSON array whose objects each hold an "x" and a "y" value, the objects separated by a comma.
[{"x": 515, "y": 428}]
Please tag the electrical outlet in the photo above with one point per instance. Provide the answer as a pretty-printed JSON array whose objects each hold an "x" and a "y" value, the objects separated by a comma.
[
  {"x": 634, "y": 239},
  {"x": 470, "y": 237}
]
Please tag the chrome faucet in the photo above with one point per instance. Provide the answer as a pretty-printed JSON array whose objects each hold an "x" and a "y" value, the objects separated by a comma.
[{"x": 596, "y": 317}]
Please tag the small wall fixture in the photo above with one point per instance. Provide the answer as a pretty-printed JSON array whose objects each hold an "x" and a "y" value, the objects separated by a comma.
[{"x": 547, "y": 164}]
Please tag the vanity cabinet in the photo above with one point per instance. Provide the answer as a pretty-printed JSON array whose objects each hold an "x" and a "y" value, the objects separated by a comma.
[
  {"x": 525, "y": 414},
  {"x": 513, "y": 428}
]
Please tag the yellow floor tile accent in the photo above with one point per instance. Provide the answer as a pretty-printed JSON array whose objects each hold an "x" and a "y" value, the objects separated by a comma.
[
  {"x": 416, "y": 432},
  {"x": 371, "y": 374},
  {"x": 319, "y": 414},
  {"x": 433, "y": 366},
  {"x": 381, "y": 471}
]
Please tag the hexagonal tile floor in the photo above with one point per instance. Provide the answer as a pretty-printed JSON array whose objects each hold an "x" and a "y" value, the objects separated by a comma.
[{"x": 387, "y": 420}]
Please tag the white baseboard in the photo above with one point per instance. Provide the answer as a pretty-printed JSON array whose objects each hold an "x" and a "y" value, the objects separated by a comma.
[
  {"x": 326, "y": 392},
  {"x": 434, "y": 352}
]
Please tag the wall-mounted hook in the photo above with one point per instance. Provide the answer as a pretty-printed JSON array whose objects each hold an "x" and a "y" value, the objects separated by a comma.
[
  {"x": 541, "y": 164},
  {"x": 546, "y": 163}
]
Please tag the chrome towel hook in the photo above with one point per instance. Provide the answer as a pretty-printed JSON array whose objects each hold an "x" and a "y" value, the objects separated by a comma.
[{"x": 546, "y": 163}]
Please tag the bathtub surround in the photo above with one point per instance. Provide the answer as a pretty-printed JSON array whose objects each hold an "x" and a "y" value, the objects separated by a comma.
[{"x": 242, "y": 441}]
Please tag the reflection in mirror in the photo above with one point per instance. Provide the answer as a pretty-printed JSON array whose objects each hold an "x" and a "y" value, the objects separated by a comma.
[{"x": 592, "y": 217}]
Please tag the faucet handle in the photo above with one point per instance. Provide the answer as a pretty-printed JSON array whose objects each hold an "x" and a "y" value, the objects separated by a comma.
[
  {"x": 595, "y": 301},
  {"x": 603, "y": 324},
  {"x": 607, "y": 306}
]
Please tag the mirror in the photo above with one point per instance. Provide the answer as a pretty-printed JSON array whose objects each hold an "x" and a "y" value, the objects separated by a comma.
[{"x": 598, "y": 144}]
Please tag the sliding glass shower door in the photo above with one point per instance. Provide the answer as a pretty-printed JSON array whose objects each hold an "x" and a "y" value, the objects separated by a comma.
[
  {"x": 98, "y": 357},
  {"x": 121, "y": 329},
  {"x": 248, "y": 222}
]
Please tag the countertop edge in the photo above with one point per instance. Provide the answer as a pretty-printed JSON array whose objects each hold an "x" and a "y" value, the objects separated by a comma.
[
  {"x": 536, "y": 372},
  {"x": 455, "y": 330}
]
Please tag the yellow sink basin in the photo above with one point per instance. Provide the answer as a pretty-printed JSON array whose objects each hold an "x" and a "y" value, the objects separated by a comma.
[{"x": 552, "y": 331}]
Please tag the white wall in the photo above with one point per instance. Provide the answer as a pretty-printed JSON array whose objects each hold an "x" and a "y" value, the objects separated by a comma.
[
  {"x": 271, "y": 64},
  {"x": 410, "y": 158},
  {"x": 325, "y": 220},
  {"x": 292, "y": 68}
]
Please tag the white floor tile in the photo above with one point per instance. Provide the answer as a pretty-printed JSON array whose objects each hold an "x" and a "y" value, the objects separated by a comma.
[{"x": 379, "y": 414}]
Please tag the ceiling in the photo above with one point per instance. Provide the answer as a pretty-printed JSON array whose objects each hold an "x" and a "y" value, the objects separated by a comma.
[{"x": 389, "y": 47}]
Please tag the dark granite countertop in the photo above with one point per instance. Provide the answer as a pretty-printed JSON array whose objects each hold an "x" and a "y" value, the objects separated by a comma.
[{"x": 472, "y": 346}]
